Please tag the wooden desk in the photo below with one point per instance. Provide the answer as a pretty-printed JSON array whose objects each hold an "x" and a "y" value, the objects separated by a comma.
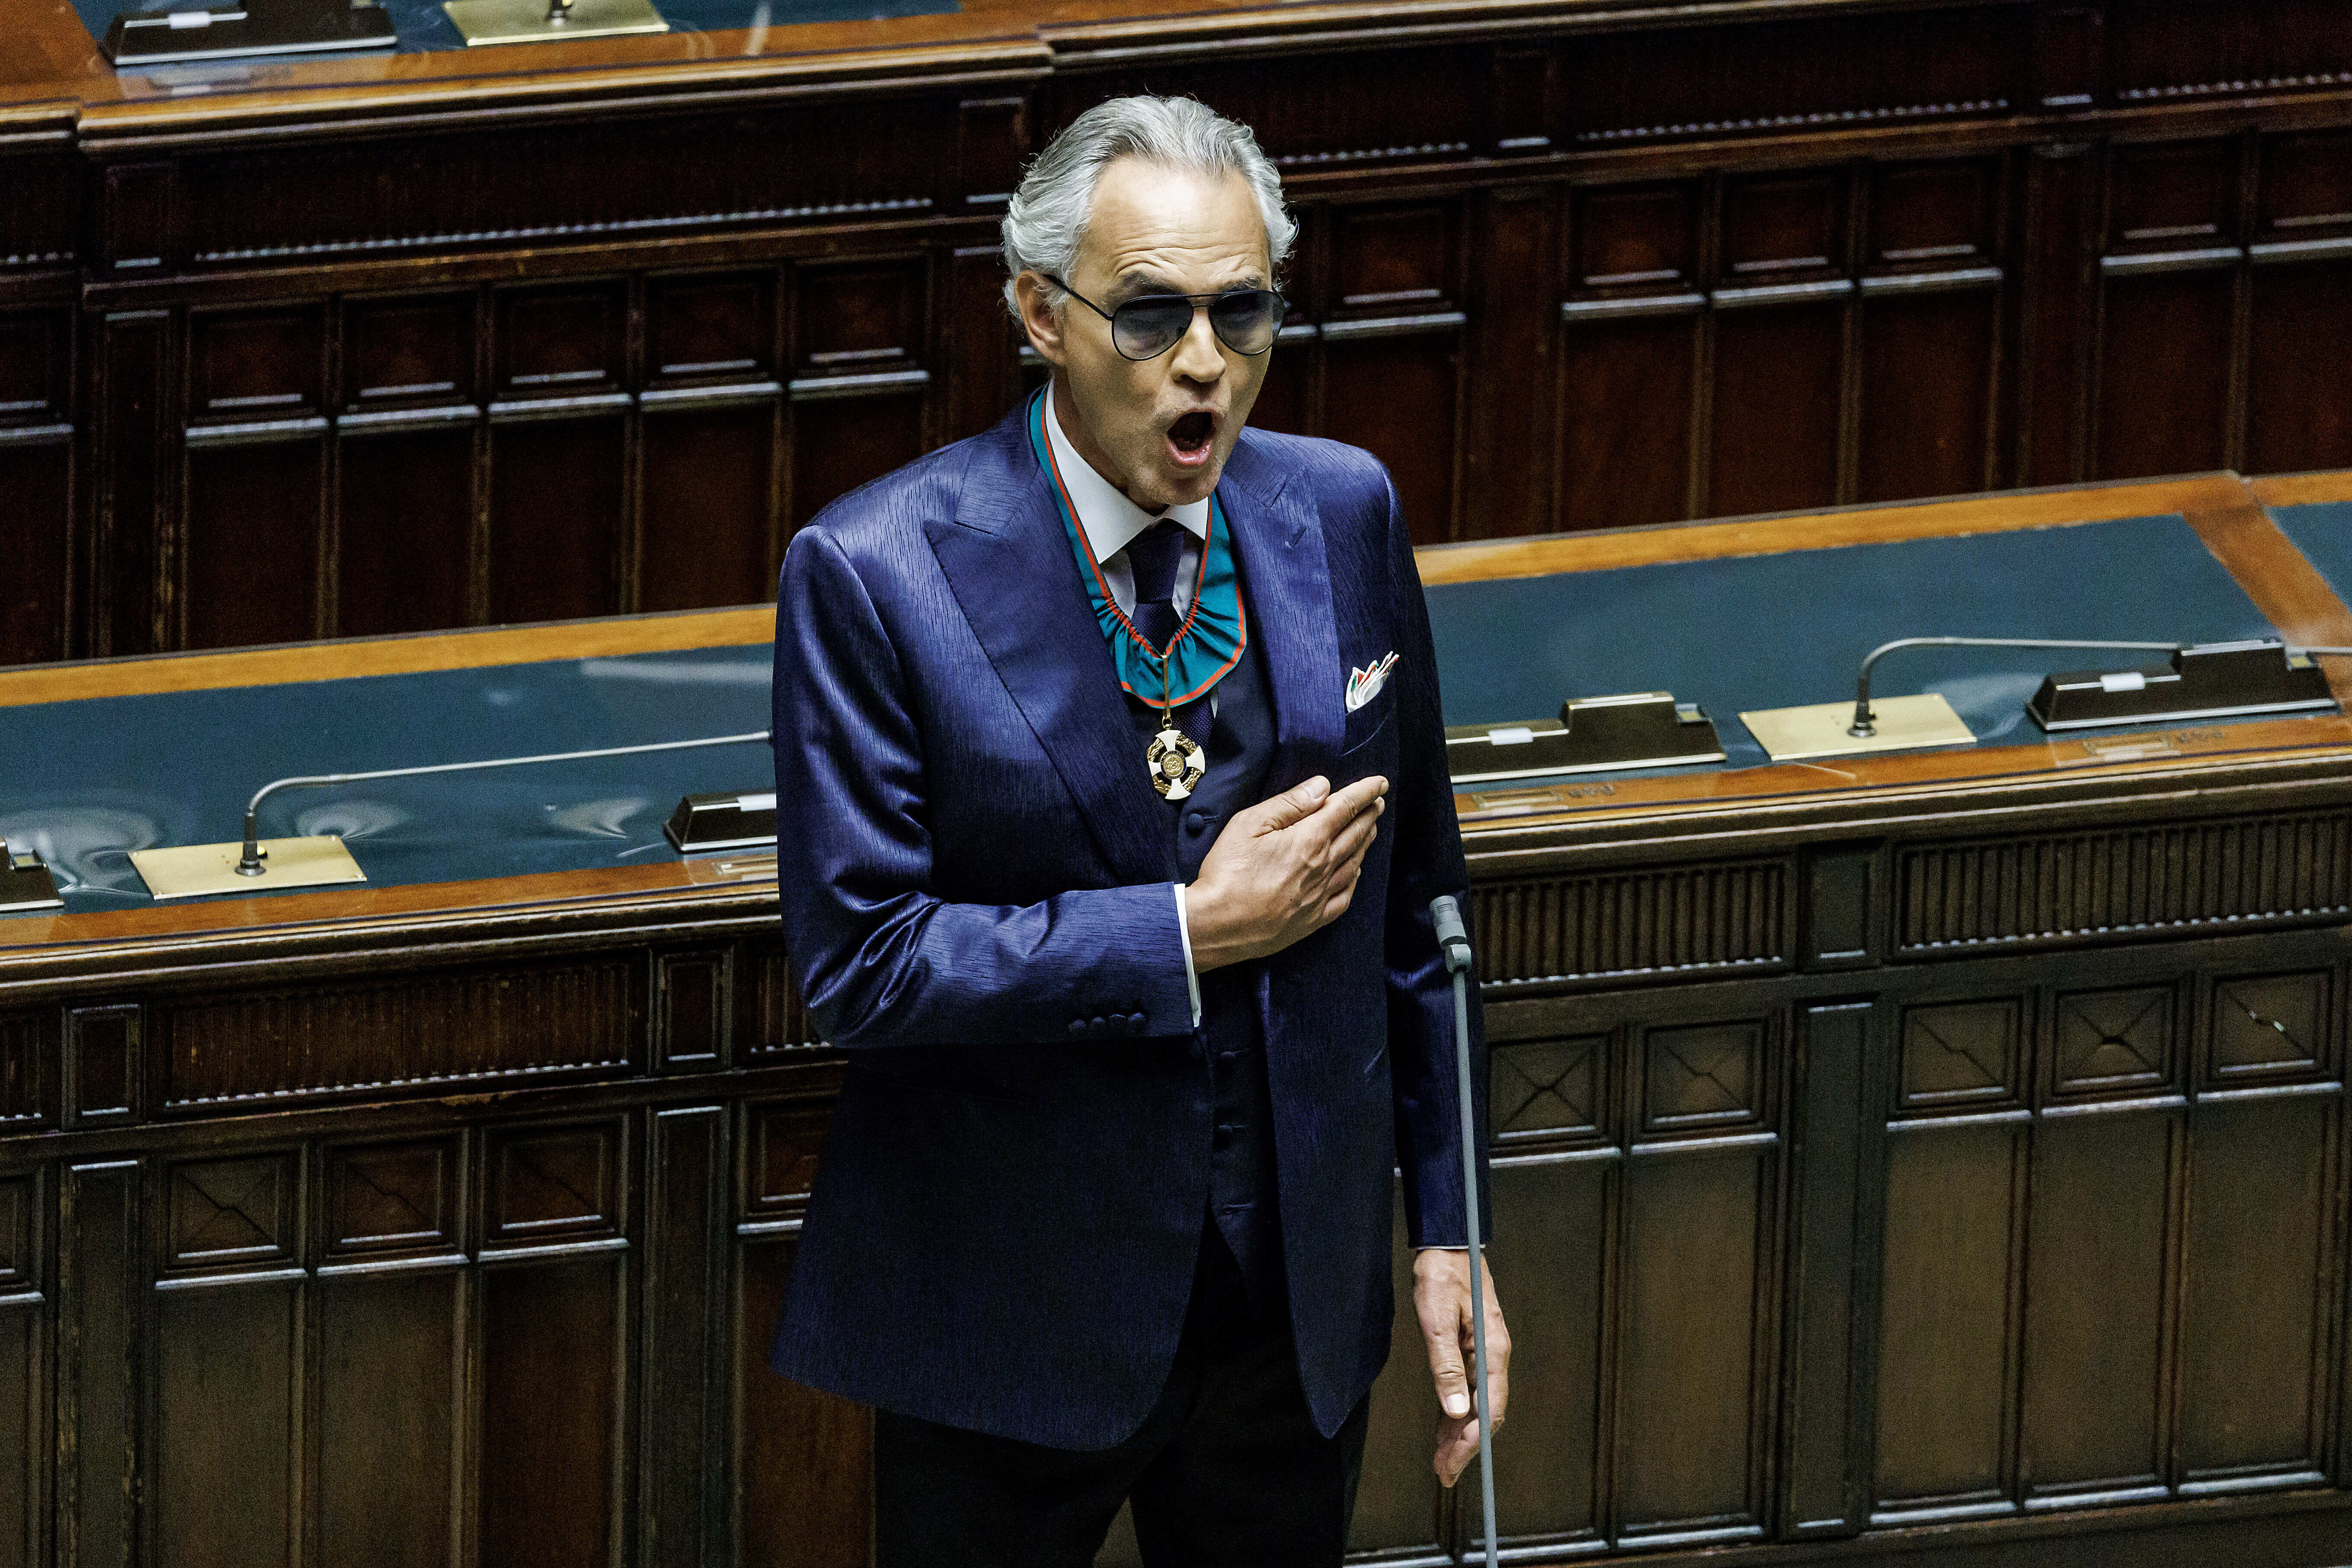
[
  {"x": 405, "y": 330},
  {"x": 1937, "y": 1159}
]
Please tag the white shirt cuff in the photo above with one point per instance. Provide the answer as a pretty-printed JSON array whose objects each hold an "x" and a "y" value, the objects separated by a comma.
[{"x": 1184, "y": 933}]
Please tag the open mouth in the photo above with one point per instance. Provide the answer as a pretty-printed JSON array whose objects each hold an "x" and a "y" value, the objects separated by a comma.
[{"x": 1190, "y": 435}]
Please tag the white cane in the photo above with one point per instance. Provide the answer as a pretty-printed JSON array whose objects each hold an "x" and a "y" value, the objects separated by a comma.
[{"x": 1455, "y": 942}]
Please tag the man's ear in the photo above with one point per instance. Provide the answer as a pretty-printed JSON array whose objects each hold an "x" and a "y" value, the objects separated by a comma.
[{"x": 1040, "y": 319}]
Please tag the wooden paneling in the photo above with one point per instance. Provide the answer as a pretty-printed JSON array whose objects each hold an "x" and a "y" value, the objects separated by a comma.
[
  {"x": 1551, "y": 1229},
  {"x": 99, "y": 1390},
  {"x": 227, "y": 1394},
  {"x": 1627, "y": 397},
  {"x": 1777, "y": 394},
  {"x": 414, "y": 1031},
  {"x": 709, "y": 507},
  {"x": 683, "y": 1485},
  {"x": 25, "y": 1396},
  {"x": 405, "y": 506},
  {"x": 2176, "y": 48},
  {"x": 804, "y": 1460},
  {"x": 25, "y": 1097},
  {"x": 1946, "y": 1355},
  {"x": 2162, "y": 407},
  {"x": 549, "y": 1456},
  {"x": 132, "y": 504},
  {"x": 1689, "y": 1335},
  {"x": 410, "y": 350},
  {"x": 1987, "y": 289},
  {"x": 2252, "y": 1360},
  {"x": 33, "y": 553},
  {"x": 2062, "y": 888},
  {"x": 1398, "y": 1506},
  {"x": 2096, "y": 1319},
  {"x": 1724, "y": 917},
  {"x": 556, "y": 523},
  {"x": 1927, "y": 435},
  {"x": 22, "y": 1406},
  {"x": 390, "y": 1386},
  {"x": 251, "y": 571},
  {"x": 2299, "y": 314}
]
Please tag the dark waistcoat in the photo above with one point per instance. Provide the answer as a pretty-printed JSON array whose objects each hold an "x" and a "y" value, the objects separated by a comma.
[{"x": 1239, "y": 748}]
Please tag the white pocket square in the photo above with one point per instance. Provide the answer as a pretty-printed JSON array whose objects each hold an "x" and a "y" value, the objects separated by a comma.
[{"x": 1363, "y": 685}]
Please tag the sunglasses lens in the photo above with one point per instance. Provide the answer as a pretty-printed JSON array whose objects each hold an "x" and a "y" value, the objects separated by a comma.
[
  {"x": 1247, "y": 320},
  {"x": 1148, "y": 328}
]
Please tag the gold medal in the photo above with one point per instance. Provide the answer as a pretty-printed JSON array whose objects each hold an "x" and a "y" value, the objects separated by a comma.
[
  {"x": 1174, "y": 757},
  {"x": 1175, "y": 761}
]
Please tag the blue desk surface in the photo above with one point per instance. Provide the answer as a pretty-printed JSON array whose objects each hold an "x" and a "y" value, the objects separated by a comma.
[
  {"x": 86, "y": 782},
  {"x": 95, "y": 779},
  {"x": 2323, "y": 531},
  {"x": 1775, "y": 631}
]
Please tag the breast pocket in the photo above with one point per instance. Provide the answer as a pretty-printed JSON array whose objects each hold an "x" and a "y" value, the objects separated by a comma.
[{"x": 1369, "y": 740}]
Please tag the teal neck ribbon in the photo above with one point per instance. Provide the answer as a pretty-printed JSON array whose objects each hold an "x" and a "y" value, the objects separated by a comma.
[{"x": 1215, "y": 630}]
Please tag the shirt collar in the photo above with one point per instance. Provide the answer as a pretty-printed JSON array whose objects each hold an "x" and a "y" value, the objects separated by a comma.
[{"x": 1107, "y": 519}]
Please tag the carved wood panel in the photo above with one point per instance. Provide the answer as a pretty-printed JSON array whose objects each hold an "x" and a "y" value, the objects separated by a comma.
[
  {"x": 2103, "y": 1290},
  {"x": 1725, "y": 917},
  {"x": 2074, "y": 886},
  {"x": 559, "y": 1019}
]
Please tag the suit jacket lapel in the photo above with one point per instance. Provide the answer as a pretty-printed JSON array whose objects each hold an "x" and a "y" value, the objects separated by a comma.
[
  {"x": 1287, "y": 591},
  {"x": 1008, "y": 562}
]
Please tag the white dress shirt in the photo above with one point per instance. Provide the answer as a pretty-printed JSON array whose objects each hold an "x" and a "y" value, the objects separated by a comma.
[{"x": 1108, "y": 521}]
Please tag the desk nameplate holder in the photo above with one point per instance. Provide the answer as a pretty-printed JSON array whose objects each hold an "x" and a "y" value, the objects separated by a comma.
[
  {"x": 484, "y": 22},
  {"x": 256, "y": 864},
  {"x": 1592, "y": 735},
  {"x": 195, "y": 869},
  {"x": 26, "y": 884},
  {"x": 237, "y": 30},
  {"x": 735, "y": 820},
  {"x": 2211, "y": 680}
]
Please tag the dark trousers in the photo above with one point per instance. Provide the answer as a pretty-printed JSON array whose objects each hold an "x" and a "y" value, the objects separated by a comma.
[{"x": 1227, "y": 1468}]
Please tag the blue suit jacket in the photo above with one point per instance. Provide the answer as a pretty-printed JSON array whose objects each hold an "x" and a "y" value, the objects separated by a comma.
[{"x": 974, "y": 871}]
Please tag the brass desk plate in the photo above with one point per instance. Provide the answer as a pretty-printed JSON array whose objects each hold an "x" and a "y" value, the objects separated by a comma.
[
  {"x": 196, "y": 868},
  {"x": 1904, "y": 724},
  {"x": 538, "y": 21}
]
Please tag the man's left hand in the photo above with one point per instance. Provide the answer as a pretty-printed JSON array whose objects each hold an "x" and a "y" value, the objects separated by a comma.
[{"x": 1441, "y": 1300}]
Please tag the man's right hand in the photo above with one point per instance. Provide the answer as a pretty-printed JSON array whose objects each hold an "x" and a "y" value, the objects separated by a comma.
[{"x": 1282, "y": 869}]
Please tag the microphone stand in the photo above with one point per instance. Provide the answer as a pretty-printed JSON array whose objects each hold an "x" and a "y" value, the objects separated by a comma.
[
  {"x": 1455, "y": 942},
  {"x": 250, "y": 863},
  {"x": 1865, "y": 724}
]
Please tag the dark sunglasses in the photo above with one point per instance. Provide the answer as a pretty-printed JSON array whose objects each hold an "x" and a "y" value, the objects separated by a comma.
[{"x": 1244, "y": 320}]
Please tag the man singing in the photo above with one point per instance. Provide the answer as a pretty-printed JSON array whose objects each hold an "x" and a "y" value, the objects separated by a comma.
[{"x": 1112, "y": 798}]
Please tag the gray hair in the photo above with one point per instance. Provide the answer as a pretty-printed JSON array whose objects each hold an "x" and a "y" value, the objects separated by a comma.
[{"x": 1046, "y": 221}]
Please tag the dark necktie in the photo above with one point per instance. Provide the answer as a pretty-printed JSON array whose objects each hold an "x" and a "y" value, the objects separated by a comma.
[{"x": 1152, "y": 557}]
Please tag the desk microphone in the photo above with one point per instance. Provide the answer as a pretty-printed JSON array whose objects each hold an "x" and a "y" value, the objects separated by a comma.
[
  {"x": 250, "y": 863},
  {"x": 201, "y": 868},
  {"x": 1865, "y": 725}
]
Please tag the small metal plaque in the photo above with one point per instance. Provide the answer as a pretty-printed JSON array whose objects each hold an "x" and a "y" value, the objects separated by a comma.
[
  {"x": 538, "y": 22},
  {"x": 197, "y": 868},
  {"x": 1904, "y": 724}
]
